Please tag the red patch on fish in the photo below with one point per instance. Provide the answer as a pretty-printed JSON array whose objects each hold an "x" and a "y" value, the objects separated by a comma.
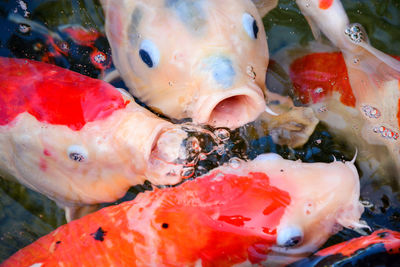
[
  {"x": 220, "y": 219},
  {"x": 318, "y": 75},
  {"x": 390, "y": 239},
  {"x": 43, "y": 164},
  {"x": 325, "y": 4},
  {"x": 54, "y": 95},
  {"x": 81, "y": 35},
  {"x": 46, "y": 152},
  {"x": 221, "y": 227}
]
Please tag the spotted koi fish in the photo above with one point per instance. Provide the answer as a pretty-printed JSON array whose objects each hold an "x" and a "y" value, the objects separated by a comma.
[
  {"x": 266, "y": 211},
  {"x": 381, "y": 248},
  {"x": 71, "y": 46},
  {"x": 76, "y": 139},
  {"x": 373, "y": 77},
  {"x": 210, "y": 68}
]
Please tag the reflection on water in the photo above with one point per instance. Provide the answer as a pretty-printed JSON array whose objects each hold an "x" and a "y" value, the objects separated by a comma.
[{"x": 26, "y": 215}]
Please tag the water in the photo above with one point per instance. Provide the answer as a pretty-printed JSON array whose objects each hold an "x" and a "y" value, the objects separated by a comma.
[{"x": 26, "y": 215}]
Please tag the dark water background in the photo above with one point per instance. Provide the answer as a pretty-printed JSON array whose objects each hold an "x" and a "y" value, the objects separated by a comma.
[{"x": 26, "y": 215}]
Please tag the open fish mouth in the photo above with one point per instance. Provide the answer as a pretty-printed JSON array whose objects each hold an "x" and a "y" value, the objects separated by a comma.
[{"x": 231, "y": 110}]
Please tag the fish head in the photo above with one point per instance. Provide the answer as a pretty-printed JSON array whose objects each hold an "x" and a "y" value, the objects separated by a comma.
[
  {"x": 76, "y": 139},
  {"x": 256, "y": 212},
  {"x": 202, "y": 59},
  {"x": 324, "y": 199}
]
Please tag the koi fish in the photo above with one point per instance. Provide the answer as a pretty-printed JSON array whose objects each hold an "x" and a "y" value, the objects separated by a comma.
[
  {"x": 265, "y": 211},
  {"x": 382, "y": 248},
  {"x": 71, "y": 46},
  {"x": 372, "y": 75},
  {"x": 210, "y": 68},
  {"x": 79, "y": 140}
]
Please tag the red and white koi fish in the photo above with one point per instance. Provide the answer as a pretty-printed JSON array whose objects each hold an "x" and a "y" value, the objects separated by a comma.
[
  {"x": 265, "y": 211},
  {"x": 210, "y": 68},
  {"x": 76, "y": 139},
  {"x": 373, "y": 75},
  {"x": 381, "y": 248}
]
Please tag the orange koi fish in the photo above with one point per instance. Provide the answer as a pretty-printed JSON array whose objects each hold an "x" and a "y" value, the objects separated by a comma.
[
  {"x": 266, "y": 211},
  {"x": 381, "y": 248},
  {"x": 78, "y": 140}
]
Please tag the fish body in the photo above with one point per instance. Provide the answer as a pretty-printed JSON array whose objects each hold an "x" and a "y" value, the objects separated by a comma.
[
  {"x": 381, "y": 248},
  {"x": 202, "y": 60},
  {"x": 75, "y": 139},
  {"x": 372, "y": 75},
  {"x": 70, "y": 46},
  {"x": 265, "y": 211}
]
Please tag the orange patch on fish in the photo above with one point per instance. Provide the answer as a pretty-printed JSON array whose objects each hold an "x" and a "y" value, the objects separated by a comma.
[
  {"x": 325, "y": 4},
  {"x": 318, "y": 75},
  {"x": 390, "y": 239}
]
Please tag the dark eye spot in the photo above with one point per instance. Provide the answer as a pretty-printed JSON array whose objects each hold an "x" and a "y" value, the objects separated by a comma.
[
  {"x": 146, "y": 58},
  {"x": 165, "y": 225},
  {"x": 250, "y": 25},
  {"x": 76, "y": 157},
  {"x": 149, "y": 53},
  {"x": 255, "y": 29},
  {"x": 77, "y": 153}
]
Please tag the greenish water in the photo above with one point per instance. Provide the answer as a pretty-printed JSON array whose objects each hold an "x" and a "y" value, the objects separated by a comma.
[{"x": 26, "y": 215}]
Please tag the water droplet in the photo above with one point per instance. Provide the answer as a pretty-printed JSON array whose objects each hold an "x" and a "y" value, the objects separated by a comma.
[
  {"x": 318, "y": 90},
  {"x": 100, "y": 57},
  {"x": 202, "y": 156},
  {"x": 250, "y": 72},
  {"x": 371, "y": 112},
  {"x": 187, "y": 172},
  {"x": 64, "y": 46},
  {"x": 24, "y": 28},
  {"x": 220, "y": 150},
  {"x": 234, "y": 163},
  {"x": 356, "y": 60},
  {"x": 222, "y": 134},
  {"x": 193, "y": 145}
]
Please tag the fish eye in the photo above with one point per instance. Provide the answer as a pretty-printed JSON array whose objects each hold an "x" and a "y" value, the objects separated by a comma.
[
  {"x": 149, "y": 53},
  {"x": 250, "y": 25},
  {"x": 289, "y": 236},
  {"x": 77, "y": 153}
]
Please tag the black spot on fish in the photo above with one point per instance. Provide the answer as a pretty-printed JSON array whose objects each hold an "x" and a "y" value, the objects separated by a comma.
[
  {"x": 282, "y": 170},
  {"x": 99, "y": 234},
  {"x": 58, "y": 242},
  {"x": 190, "y": 12},
  {"x": 383, "y": 234},
  {"x": 165, "y": 225}
]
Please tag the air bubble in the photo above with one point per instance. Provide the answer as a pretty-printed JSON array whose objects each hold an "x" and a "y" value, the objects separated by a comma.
[
  {"x": 187, "y": 172},
  {"x": 24, "y": 28},
  {"x": 234, "y": 163},
  {"x": 100, "y": 58},
  {"x": 193, "y": 145},
  {"x": 222, "y": 134}
]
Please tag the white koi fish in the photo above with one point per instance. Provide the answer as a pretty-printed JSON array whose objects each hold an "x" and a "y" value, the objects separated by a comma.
[
  {"x": 373, "y": 75},
  {"x": 79, "y": 140},
  {"x": 204, "y": 59}
]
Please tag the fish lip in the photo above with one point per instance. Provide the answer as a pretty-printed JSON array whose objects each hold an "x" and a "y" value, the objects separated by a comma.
[{"x": 247, "y": 102}]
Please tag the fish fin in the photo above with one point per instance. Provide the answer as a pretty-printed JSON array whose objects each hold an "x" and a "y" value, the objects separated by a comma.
[
  {"x": 111, "y": 76},
  {"x": 381, "y": 63},
  {"x": 314, "y": 28},
  {"x": 76, "y": 212},
  {"x": 264, "y": 6}
]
